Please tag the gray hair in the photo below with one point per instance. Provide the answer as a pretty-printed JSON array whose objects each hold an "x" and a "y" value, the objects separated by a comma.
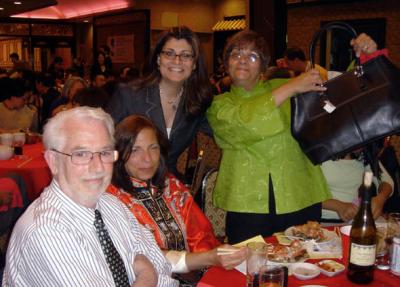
[
  {"x": 54, "y": 135},
  {"x": 69, "y": 83}
]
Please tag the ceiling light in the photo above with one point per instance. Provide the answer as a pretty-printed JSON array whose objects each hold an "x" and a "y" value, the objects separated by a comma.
[
  {"x": 1, "y": 8},
  {"x": 86, "y": 21},
  {"x": 17, "y": 2}
]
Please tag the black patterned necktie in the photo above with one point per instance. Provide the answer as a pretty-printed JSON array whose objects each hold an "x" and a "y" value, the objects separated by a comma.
[{"x": 113, "y": 258}]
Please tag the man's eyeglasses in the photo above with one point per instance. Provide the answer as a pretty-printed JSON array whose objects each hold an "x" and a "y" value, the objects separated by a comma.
[
  {"x": 239, "y": 54},
  {"x": 84, "y": 157},
  {"x": 171, "y": 55}
]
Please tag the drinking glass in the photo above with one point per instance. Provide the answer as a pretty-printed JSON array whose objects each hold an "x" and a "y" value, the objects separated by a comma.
[
  {"x": 382, "y": 251},
  {"x": 392, "y": 230},
  {"x": 271, "y": 276},
  {"x": 256, "y": 258},
  {"x": 18, "y": 142}
]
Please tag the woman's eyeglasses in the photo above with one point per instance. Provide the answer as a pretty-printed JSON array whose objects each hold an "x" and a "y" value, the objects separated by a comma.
[
  {"x": 171, "y": 55},
  {"x": 240, "y": 54}
]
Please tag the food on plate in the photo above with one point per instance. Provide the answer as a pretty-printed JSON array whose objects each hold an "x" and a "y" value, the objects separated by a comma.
[
  {"x": 330, "y": 266},
  {"x": 308, "y": 231},
  {"x": 287, "y": 253}
]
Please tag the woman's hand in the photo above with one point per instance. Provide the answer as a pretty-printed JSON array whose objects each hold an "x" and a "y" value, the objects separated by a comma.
[
  {"x": 305, "y": 82},
  {"x": 308, "y": 81},
  {"x": 363, "y": 44},
  {"x": 346, "y": 210},
  {"x": 230, "y": 260}
]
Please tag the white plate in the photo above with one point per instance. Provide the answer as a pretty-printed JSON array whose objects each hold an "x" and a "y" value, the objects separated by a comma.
[
  {"x": 304, "y": 271},
  {"x": 338, "y": 267},
  {"x": 329, "y": 235}
]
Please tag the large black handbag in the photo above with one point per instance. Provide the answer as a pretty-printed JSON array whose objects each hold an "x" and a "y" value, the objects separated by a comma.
[{"x": 359, "y": 107}]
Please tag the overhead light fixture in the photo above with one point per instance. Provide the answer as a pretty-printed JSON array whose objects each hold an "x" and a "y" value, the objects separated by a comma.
[
  {"x": 17, "y": 2},
  {"x": 86, "y": 21},
  {"x": 1, "y": 8}
]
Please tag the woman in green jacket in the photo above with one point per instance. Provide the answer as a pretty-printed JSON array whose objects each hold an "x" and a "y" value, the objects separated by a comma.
[{"x": 265, "y": 182}]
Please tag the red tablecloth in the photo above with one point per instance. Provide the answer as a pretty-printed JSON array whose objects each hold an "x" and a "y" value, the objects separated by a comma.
[
  {"x": 32, "y": 167},
  {"x": 219, "y": 277}
]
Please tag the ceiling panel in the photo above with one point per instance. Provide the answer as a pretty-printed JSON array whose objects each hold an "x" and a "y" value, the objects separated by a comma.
[
  {"x": 7, "y": 7},
  {"x": 66, "y": 9}
]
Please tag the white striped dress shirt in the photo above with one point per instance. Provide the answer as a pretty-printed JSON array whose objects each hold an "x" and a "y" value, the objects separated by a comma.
[{"x": 54, "y": 243}]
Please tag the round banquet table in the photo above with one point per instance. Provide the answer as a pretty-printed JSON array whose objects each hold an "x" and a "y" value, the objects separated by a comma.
[
  {"x": 219, "y": 277},
  {"x": 31, "y": 166}
]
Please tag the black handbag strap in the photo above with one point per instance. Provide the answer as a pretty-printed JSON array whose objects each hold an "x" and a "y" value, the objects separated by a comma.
[{"x": 332, "y": 25}]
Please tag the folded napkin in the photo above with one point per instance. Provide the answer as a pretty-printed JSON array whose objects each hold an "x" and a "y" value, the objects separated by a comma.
[{"x": 330, "y": 249}]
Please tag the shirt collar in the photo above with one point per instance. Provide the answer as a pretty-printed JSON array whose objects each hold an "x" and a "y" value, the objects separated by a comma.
[
  {"x": 77, "y": 211},
  {"x": 240, "y": 91}
]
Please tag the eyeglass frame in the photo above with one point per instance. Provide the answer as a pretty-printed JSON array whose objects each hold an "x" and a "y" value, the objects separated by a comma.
[
  {"x": 71, "y": 155},
  {"x": 237, "y": 54},
  {"x": 171, "y": 55}
]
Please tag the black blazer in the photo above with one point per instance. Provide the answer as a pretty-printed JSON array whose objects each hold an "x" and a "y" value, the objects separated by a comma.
[{"x": 146, "y": 101}]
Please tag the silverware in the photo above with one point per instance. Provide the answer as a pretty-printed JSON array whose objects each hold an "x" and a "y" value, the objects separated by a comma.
[{"x": 24, "y": 162}]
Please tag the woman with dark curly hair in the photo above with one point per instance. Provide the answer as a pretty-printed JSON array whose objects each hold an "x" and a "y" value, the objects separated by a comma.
[
  {"x": 265, "y": 181},
  {"x": 174, "y": 95}
]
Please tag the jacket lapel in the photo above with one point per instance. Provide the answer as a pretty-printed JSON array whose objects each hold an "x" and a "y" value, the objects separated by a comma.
[{"x": 154, "y": 111}]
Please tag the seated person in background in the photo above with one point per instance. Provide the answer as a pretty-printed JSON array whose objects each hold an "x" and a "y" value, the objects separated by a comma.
[
  {"x": 344, "y": 177},
  {"x": 98, "y": 79},
  {"x": 296, "y": 61},
  {"x": 69, "y": 91},
  {"x": 15, "y": 115},
  {"x": 75, "y": 234},
  {"x": 275, "y": 72},
  {"x": 161, "y": 202},
  {"x": 56, "y": 69},
  {"x": 45, "y": 86},
  {"x": 92, "y": 97}
]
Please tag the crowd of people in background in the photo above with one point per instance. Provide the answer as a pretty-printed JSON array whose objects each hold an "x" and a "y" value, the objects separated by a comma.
[{"x": 28, "y": 99}]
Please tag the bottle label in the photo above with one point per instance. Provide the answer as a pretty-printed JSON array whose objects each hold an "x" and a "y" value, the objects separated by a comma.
[{"x": 362, "y": 255}]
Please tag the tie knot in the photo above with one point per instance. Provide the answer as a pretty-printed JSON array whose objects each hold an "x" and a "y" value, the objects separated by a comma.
[{"x": 98, "y": 220}]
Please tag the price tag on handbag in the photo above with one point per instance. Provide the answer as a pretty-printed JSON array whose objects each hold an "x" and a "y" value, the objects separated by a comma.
[{"x": 329, "y": 107}]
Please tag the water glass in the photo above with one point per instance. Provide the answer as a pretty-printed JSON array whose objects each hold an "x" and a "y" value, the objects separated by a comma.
[
  {"x": 382, "y": 251},
  {"x": 393, "y": 229},
  {"x": 256, "y": 258}
]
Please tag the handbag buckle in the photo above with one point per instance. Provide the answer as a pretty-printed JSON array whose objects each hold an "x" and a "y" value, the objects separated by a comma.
[{"x": 358, "y": 71}]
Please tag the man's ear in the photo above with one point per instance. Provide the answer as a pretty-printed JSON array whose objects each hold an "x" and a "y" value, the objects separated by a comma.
[
  {"x": 158, "y": 62},
  {"x": 52, "y": 161}
]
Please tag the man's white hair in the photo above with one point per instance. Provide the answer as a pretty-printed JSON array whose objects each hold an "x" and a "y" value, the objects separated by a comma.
[{"x": 55, "y": 134}]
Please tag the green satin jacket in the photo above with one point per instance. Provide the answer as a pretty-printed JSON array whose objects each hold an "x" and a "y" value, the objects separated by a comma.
[{"x": 256, "y": 141}]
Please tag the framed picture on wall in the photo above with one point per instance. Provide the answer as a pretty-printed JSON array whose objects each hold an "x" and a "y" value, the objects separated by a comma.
[{"x": 126, "y": 33}]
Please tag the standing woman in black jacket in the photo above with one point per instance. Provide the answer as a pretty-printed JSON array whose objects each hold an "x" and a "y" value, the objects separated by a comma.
[{"x": 174, "y": 95}]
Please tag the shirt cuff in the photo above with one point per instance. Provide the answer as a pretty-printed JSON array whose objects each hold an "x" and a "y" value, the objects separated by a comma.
[{"x": 366, "y": 57}]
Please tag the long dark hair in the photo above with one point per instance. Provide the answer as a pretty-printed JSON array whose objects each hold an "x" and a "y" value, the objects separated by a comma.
[
  {"x": 126, "y": 133},
  {"x": 197, "y": 93}
]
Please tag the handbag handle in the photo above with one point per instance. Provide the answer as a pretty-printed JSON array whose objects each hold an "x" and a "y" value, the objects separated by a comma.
[{"x": 332, "y": 25}]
